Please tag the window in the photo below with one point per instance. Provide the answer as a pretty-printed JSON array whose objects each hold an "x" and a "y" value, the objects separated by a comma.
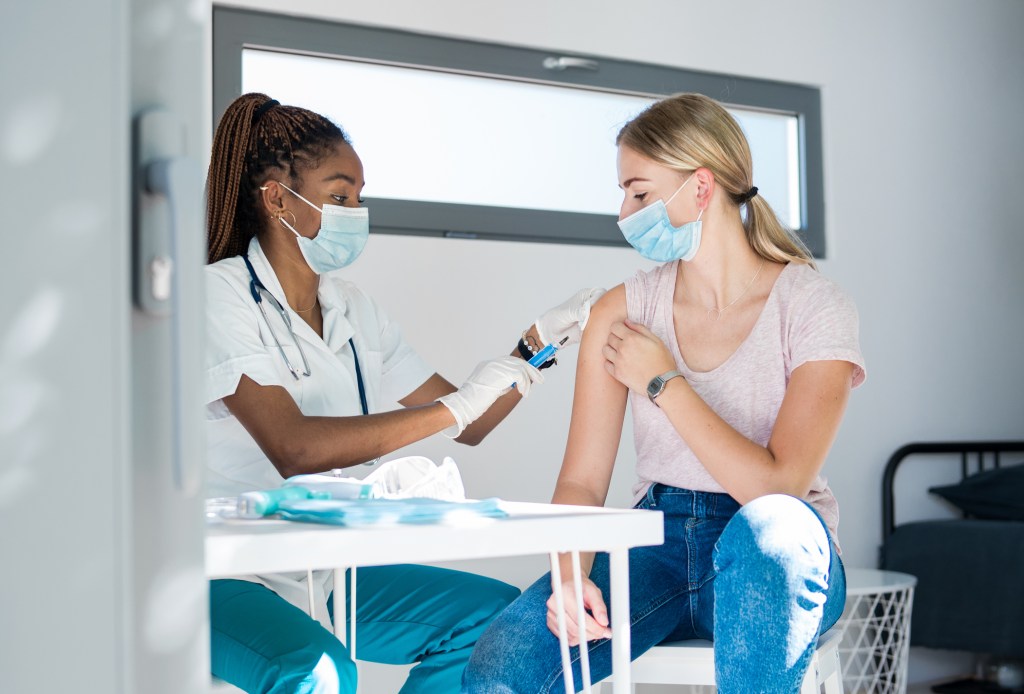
[{"x": 477, "y": 140}]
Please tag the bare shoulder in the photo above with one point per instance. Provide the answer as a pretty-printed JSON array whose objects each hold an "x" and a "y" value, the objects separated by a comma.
[{"x": 609, "y": 308}]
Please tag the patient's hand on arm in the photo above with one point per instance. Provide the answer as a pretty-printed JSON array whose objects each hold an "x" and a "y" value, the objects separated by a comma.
[{"x": 635, "y": 355}]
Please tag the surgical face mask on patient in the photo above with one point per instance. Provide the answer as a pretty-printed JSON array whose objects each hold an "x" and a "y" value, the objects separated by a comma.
[
  {"x": 650, "y": 231},
  {"x": 342, "y": 236}
]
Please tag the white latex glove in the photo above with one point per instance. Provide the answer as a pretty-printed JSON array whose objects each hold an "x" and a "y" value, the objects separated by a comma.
[
  {"x": 488, "y": 382},
  {"x": 569, "y": 318}
]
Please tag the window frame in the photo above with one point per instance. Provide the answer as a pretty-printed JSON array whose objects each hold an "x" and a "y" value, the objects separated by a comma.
[{"x": 237, "y": 29}]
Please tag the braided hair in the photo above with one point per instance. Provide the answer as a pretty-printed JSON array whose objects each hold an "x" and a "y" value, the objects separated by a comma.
[{"x": 257, "y": 137}]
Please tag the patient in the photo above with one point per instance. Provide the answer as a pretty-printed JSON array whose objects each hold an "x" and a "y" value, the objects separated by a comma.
[{"x": 737, "y": 359}]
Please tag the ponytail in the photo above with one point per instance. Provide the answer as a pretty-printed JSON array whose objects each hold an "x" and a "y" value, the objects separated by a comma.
[{"x": 770, "y": 238}]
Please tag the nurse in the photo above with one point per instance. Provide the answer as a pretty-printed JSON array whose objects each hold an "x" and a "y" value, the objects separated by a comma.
[{"x": 299, "y": 366}]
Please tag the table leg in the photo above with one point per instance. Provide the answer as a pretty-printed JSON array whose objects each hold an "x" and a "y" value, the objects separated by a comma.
[
  {"x": 581, "y": 616},
  {"x": 309, "y": 593},
  {"x": 352, "y": 609},
  {"x": 338, "y": 598},
  {"x": 618, "y": 561},
  {"x": 563, "y": 636}
]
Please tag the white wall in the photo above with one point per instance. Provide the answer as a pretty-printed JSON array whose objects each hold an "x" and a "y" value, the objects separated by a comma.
[{"x": 922, "y": 104}]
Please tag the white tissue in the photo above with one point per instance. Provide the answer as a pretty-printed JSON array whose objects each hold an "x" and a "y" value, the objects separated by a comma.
[{"x": 416, "y": 476}]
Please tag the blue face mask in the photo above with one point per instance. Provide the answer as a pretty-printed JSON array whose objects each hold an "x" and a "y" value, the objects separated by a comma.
[
  {"x": 342, "y": 236},
  {"x": 650, "y": 231}
]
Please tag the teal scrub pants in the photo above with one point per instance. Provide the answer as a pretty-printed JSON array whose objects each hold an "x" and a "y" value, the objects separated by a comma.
[{"x": 404, "y": 614}]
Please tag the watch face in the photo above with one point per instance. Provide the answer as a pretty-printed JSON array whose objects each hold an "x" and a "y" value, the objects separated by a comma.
[{"x": 655, "y": 386}]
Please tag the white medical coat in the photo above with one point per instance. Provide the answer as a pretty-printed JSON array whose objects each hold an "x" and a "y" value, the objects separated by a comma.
[{"x": 240, "y": 342}]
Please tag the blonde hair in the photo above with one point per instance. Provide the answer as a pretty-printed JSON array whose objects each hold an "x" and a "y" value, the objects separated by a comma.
[{"x": 691, "y": 131}]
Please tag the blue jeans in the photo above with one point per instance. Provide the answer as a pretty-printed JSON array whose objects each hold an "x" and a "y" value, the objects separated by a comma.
[
  {"x": 762, "y": 581},
  {"x": 405, "y": 614}
]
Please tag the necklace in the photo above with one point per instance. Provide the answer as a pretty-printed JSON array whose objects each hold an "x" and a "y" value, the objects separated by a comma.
[
  {"x": 317, "y": 298},
  {"x": 715, "y": 313}
]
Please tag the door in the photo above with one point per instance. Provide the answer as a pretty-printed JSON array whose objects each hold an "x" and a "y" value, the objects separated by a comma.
[{"x": 102, "y": 587}]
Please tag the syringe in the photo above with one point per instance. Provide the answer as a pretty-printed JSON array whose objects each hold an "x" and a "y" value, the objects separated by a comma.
[
  {"x": 546, "y": 353},
  {"x": 542, "y": 356}
]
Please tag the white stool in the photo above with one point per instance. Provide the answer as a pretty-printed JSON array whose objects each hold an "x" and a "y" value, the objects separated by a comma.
[
  {"x": 222, "y": 687},
  {"x": 876, "y": 630},
  {"x": 693, "y": 663}
]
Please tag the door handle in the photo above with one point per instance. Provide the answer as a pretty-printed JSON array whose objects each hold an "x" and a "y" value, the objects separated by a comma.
[{"x": 168, "y": 214}]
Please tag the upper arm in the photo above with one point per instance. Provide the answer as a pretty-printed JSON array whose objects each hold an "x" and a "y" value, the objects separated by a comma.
[
  {"x": 809, "y": 418},
  {"x": 234, "y": 343},
  {"x": 599, "y": 405},
  {"x": 271, "y": 417},
  {"x": 827, "y": 363},
  {"x": 243, "y": 373}
]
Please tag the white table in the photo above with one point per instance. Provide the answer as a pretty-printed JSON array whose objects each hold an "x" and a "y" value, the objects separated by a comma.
[
  {"x": 271, "y": 546},
  {"x": 876, "y": 631}
]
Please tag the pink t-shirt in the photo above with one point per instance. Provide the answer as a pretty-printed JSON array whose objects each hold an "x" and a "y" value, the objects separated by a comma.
[{"x": 807, "y": 317}]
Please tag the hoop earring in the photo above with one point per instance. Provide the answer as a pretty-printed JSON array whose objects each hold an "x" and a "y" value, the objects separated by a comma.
[{"x": 280, "y": 213}]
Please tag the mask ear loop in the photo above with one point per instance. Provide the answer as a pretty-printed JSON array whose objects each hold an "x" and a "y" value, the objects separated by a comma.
[
  {"x": 673, "y": 197},
  {"x": 315, "y": 207},
  {"x": 281, "y": 219}
]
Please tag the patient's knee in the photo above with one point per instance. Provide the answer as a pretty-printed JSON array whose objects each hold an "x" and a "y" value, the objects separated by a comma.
[{"x": 776, "y": 527}]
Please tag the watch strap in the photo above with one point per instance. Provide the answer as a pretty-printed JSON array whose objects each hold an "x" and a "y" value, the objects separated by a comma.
[{"x": 657, "y": 385}]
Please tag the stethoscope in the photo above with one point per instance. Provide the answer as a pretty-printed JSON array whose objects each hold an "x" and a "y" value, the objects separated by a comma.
[{"x": 260, "y": 292}]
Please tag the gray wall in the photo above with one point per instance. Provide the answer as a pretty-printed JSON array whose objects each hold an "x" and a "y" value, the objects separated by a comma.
[{"x": 924, "y": 169}]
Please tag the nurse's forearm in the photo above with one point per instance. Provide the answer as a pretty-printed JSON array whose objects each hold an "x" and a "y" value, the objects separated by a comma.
[
  {"x": 485, "y": 424},
  {"x": 297, "y": 444},
  {"x": 325, "y": 443}
]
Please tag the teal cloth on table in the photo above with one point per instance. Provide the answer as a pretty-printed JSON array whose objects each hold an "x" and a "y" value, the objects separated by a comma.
[{"x": 386, "y": 511}]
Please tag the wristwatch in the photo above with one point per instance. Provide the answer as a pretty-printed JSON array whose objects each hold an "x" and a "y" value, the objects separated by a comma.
[{"x": 657, "y": 385}]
